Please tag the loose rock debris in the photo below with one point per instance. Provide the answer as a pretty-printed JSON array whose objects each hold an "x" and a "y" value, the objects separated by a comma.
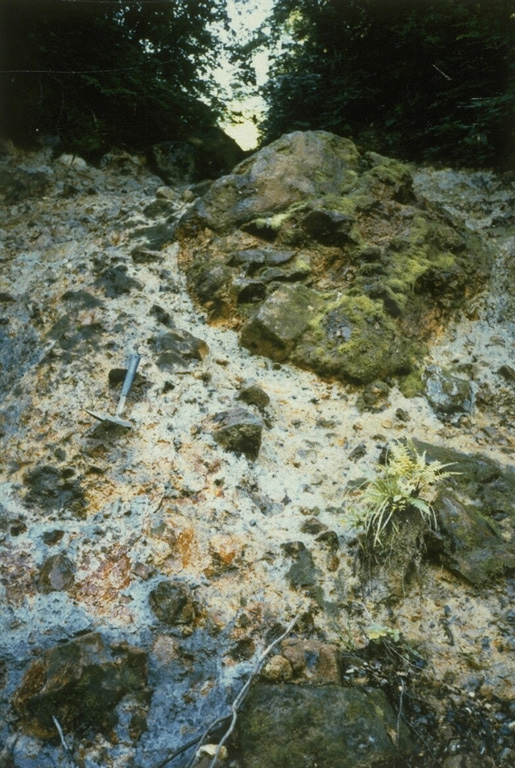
[{"x": 140, "y": 576}]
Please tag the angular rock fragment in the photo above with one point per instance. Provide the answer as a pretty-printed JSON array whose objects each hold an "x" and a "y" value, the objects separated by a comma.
[
  {"x": 172, "y": 603},
  {"x": 252, "y": 394},
  {"x": 23, "y": 183},
  {"x": 254, "y": 258},
  {"x": 57, "y": 574},
  {"x": 313, "y": 661},
  {"x": 302, "y": 572},
  {"x": 472, "y": 546},
  {"x": 50, "y": 487},
  {"x": 279, "y": 322},
  {"x": 238, "y": 430},
  {"x": 330, "y": 227},
  {"x": 115, "y": 281},
  {"x": 141, "y": 255},
  {"x": 80, "y": 683},
  {"x": 449, "y": 395},
  {"x": 277, "y": 670},
  {"x": 177, "y": 348}
]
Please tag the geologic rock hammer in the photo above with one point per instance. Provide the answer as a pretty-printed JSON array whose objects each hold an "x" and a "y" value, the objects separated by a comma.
[{"x": 105, "y": 418}]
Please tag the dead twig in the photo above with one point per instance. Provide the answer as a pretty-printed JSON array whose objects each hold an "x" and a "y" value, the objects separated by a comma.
[
  {"x": 63, "y": 741},
  {"x": 192, "y": 742},
  {"x": 199, "y": 740},
  {"x": 423, "y": 741},
  {"x": 242, "y": 694},
  {"x": 399, "y": 715}
]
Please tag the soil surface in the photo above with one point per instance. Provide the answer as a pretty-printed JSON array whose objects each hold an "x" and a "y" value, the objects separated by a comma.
[{"x": 94, "y": 518}]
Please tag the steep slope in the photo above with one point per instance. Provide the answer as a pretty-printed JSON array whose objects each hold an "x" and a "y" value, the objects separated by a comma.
[{"x": 153, "y": 564}]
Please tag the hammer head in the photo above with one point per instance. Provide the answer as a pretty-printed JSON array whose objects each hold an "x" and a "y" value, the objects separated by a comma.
[{"x": 106, "y": 419}]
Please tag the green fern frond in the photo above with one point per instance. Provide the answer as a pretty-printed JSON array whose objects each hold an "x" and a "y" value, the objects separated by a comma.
[{"x": 398, "y": 487}]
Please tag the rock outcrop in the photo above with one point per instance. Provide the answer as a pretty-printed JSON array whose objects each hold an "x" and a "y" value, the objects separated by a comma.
[
  {"x": 327, "y": 258},
  {"x": 332, "y": 727},
  {"x": 145, "y": 574}
]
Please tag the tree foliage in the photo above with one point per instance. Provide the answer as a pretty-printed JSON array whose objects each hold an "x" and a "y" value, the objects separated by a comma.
[
  {"x": 421, "y": 79},
  {"x": 99, "y": 73}
]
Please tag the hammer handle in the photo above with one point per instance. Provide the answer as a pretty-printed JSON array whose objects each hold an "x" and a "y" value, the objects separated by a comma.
[{"x": 127, "y": 384}]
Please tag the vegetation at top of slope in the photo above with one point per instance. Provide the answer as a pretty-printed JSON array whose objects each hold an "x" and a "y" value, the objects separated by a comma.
[
  {"x": 98, "y": 74},
  {"x": 423, "y": 81}
]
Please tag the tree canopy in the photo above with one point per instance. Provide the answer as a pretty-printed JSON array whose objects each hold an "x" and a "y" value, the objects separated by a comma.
[
  {"x": 99, "y": 73},
  {"x": 420, "y": 79}
]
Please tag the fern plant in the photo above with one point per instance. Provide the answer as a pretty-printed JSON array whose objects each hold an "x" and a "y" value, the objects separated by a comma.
[{"x": 403, "y": 481}]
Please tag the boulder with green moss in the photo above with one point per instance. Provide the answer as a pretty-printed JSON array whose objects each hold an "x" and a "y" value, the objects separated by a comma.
[
  {"x": 351, "y": 338},
  {"x": 310, "y": 212},
  {"x": 287, "y": 726}
]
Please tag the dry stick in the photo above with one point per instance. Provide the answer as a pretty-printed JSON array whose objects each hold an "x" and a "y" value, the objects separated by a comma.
[
  {"x": 241, "y": 696},
  {"x": 63, "y": 742},
  {"x": 237, "y": 703},
  {"x": 399, "y": 715},
  {"x": 424, "y": 742},
  {"x": 192, "y": 742}
]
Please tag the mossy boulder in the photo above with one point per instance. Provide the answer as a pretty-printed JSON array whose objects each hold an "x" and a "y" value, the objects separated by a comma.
[
  {"x": 353, "y": 339},
  {"x": 280, "y": 321},
  {"x": 287, "y": 726},
  {"x": 308, "y": 211}
]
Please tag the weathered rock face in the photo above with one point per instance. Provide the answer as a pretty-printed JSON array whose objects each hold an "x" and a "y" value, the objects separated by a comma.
[
  {"x": 326, "y": 258},
  {"x": 288, "y": 726},
  {"x": 167, "y": 540},
  {"x": 80, "y": 684}
]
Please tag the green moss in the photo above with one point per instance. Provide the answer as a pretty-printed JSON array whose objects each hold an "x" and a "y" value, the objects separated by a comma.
[
  {"x": 353, "y": 339},
  {"x": 412, "y": 384},
  {"x": 342, "y": 203},
  {"x": 329, "y": 726}
]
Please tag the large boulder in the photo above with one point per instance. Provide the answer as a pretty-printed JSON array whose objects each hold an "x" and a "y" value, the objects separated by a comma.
[
  {"x": 325, "y": 257},
  {"x": 296, "y": 167},
  {"x": 287, "y": 726},
  {"x": 200, "y": 156},
  {"x": 80, "y": 683}
]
